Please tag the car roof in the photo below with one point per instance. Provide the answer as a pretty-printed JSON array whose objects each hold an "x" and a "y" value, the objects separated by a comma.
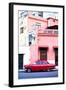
[{"x": 43, "y": 60}]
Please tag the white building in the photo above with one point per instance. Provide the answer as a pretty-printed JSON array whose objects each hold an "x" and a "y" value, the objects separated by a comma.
[{"x": 23, "y": 42}]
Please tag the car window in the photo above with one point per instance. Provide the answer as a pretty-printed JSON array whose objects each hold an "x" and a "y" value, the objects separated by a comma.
[
  {"x": 41, "y": 62},
  {"x": 44, "y": 62},
  {"x": 38, "y": 62},
  {"x": 34, "y": 63}
]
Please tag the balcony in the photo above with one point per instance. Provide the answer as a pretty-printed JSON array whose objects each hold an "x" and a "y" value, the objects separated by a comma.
[{"x": 48, "y": 32}]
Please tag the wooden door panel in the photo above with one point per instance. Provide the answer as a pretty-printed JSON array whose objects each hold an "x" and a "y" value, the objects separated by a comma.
[{"x": 43, "y": 54}]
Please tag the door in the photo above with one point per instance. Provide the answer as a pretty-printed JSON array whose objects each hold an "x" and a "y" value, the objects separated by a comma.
[
  {"x": 20, "y": 61},
  {"x": 43, "y": 53},
  {"x": 56, "y": 56}
]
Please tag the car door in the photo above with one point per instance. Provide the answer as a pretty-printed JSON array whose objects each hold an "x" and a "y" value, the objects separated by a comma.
[
  {"x": 38, "y": 65},
  {"x": 35, "y": 66},
  {"x": 44, "y": 65}
]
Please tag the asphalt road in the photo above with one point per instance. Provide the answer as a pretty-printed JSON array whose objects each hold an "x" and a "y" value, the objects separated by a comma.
[{"x": 46, "y": 74}]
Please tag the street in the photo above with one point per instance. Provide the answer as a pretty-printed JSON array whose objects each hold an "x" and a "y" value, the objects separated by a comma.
[{"x": 45, "y": 74}]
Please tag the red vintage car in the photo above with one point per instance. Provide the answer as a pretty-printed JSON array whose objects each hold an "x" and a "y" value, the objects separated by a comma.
[{"x": 40, "y": 65}]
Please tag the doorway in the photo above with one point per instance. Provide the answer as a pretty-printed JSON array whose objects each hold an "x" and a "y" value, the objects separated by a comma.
[
  {"x": 43, "y": 53},
  {"x": 56, "y": 56},
  {"x": 20, "y": 61}
]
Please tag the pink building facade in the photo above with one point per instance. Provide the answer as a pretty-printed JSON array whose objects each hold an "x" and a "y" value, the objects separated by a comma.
[{"x": 45, "y": 40}]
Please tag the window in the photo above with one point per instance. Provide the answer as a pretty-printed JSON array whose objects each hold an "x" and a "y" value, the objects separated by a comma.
[
  {"x": 33, "y": 13},
  {"x": 30, "y": 39},
  {"x": 38, "y": 25},
  {"x": 40, "y": 13},
  {"x": 23, "y": 13},
  {"x": 37, "y": 13},
  {"x": 22, "y": 30}
]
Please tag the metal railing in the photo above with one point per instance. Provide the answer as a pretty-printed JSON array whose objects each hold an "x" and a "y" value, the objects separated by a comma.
[{"x": 48, "y": 31}]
